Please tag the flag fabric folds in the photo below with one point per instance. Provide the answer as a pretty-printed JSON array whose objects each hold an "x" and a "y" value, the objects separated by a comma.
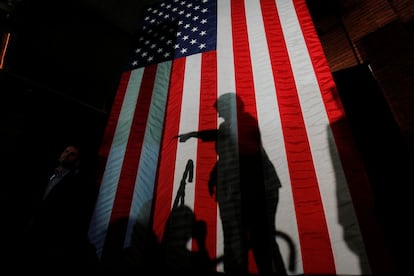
[{"x": 266, "y": 53}]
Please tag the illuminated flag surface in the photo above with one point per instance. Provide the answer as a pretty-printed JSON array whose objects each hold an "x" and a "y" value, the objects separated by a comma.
[{"x": 264, "y": 57}]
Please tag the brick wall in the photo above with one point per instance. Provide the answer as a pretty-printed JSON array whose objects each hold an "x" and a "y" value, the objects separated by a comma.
[{"x": 379, "y": 33}]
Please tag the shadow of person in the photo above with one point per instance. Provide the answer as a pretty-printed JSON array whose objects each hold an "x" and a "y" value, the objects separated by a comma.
[
  {"x": 145, "y": 255},
  {"x": 181, "y": 228},
  {"x": 246, "y": 188},
  {"x": 178, "y": 232}
]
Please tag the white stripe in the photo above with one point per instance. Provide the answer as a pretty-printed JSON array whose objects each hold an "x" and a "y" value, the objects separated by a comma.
[
  {"x": 101, "y": 217},
  {"x": 271, "y": 128},
  {"x": 147, "y": 167},
  {"x": 225, "y": 81},
  {"x": 331, "y": 179},
  {"x": 188, "y": 122}
]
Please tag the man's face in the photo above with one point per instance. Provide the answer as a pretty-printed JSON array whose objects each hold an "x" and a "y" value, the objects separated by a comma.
[{"x": 69, "y": 157}]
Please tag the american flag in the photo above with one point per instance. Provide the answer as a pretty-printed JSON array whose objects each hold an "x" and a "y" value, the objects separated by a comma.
[{"x": 189, "y": 54}]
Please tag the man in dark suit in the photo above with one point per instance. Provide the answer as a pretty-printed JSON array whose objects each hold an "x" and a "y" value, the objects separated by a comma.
[{"x": 58, "y": 240}]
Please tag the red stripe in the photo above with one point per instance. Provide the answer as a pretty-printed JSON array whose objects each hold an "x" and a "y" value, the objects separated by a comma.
[
  {"x": 358, "y": 181},
  {"x": 111, "y": 124},
  {"x": 205, "y": 207},
  {"x": 244, "y": 90},
  {"x": 313, "y": 232},
  {"x": 165, "y": 178},
  {"x": 123, "y": 198}
]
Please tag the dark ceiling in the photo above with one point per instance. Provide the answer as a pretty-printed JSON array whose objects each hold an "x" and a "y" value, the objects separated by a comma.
[{"x": 77, "y": 49}]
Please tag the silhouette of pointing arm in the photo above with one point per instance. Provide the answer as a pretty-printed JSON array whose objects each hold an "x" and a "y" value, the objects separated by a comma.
[{"x": 204, "y": 135}]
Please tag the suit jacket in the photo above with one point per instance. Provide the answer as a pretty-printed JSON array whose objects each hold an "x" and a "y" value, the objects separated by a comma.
[{"x": 58, "y": 233}]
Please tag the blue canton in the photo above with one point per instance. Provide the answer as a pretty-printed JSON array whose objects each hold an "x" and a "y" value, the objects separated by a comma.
[{"x": 174, "y": 29}]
